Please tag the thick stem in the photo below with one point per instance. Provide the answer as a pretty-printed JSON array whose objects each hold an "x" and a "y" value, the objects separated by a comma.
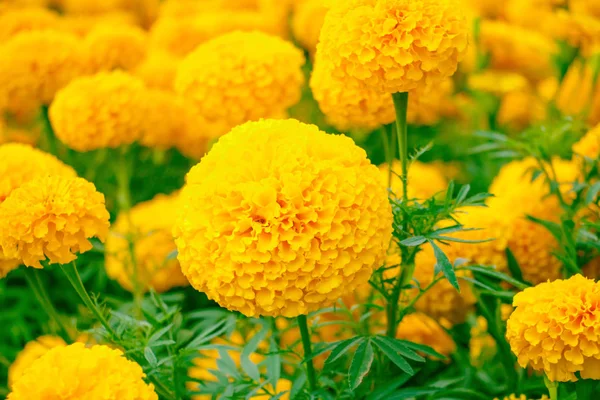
[
  {"x": 388, "y": 153},
  {"x": 310, "y": 368},
  {"x": 32, "y": 276},
  {"x": 401, "y": 107},
  {"x": 70, "y": 270},
  {"x": 123, "y": 176},
  {"x": 48, "y": 132},
  {"x": 552, "y": 388}
]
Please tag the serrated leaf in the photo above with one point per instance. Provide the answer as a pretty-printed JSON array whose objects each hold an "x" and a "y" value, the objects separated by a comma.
[
  {"x": 360, "y": 364},
  {"x": 498, "y": 275},
  {"x": 462, "y": 193},
  {"x": 445, "y": 265},
  {"x": 341, "y": 349},
  {"x": 399, "y": 347},
  {"x": 150, "y": 356},
  {"x": 513, "y": 265},
  {"x": 422, "y": 348},
  {"x": 158, "y": 334},
  {"x": 413, "y": 241},
  {"x": 393, "y": 355}
]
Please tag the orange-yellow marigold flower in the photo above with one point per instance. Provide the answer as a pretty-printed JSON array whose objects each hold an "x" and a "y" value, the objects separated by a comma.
[
  {"x": 18, "y": 20},
  {"x": 421, "y": 329},
  {"x": 555, "y": 329},
  {"x": 98, "y": 111},
  {"x": 295, "y": 221},
  {"x": 307, "y": 19},
  {"x": 147, "y": 226},
  {"x": 52, "y": 218},
  {"x": 158, "y": 70},
  {"x": 31, "y": 352},
  {"x": 241, "y": 76},
  {"x": 115, "y": 47},
  {"x": 579, "y": 94},
  {"x": 77, "y": 372},
  {"x": 589, "y": 145},
  {"x": 394, "y": 45}
]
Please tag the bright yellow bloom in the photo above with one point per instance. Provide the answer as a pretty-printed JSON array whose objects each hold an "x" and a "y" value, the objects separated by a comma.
[
  {"x": 52, "y": 218},
  {"x": 394, "y": 45},
  {"x": 16, "y": 21},
  {"x": 98, "y": 111},
  {"x": 21, "y": 163},
  {"x": 589, "y": 145},
  {"x": 82, "y": 25},
  {"x": 578, "y": 95},
  {"x": 517, "y": 49},
  {"x": 555, "y": 329},
  {"x": 115, "y": 47},
  {"x": 158, "y": 70},
  {"x": 520, "y": 109},
  {"x": 294, "y": 218},
  {"x": 241, "y": 76},
  {"x": 498, "y": 82},
  {"x": 586, "y": 7},
  {"x": 76, "y": 372},
  {"x": 31, "y": 352},
  {"x": 429, "y": 105},
  {"x": 307, "y": 20},
  {"x": 35, "y": 65},
  {"x": 148, "y": 227},
  {"x": 421, "y": 329},
  {"x": 424, "y": 180}
]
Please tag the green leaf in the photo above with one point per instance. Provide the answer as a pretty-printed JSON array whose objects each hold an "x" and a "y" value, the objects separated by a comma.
[
  {"x": 248, "y": 366},
  {"x": 393, "y": 355},
  {"x": 498, "y": 275},
  {"x": 273, "y": 362},
  {"x": 462, "y": 193},
  {"x": 422, "y": 348},
  {"x": 361, "y": 364},
  {"x": 445, "y": 265},
  {"x": 382, "y": 391},
  {"x": 341, "y": 349},
  {"x": 585, "y": 389},
  {"x": 413, "y": 241},
  {"x": 459, "y": 393},
  {"x": 552, "y": 227},
  {"x": 513, "y": 265},
  {"x": 592, "y": 193},
  {"x": 399, "y": 347},
  {"x": 410, "y": 393},
  {"x": 150, "y": 356}
]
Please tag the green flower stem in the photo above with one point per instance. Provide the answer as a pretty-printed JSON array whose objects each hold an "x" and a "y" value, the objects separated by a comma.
[
  {"x": 123, "y": 176},
  {"x": 310, "y": 368},
  {"x": 388, "y": 153},
  {"x": 70, "y": 270},
  {"x": 401, "y": 107},
  {"x": 552, "y": 388},
  {"x": 32, "y": 276},
  {"x": 48, "y": 132}
]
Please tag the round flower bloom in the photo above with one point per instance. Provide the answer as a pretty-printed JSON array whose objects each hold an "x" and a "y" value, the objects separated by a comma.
[
  {"x": 520, "y": 109},
  {"x": 579, "y": 93},
  {"x": 419, "y": 328},
  {"x": 555, "y": 329},
  {"x": 428, "y": 105},
  {"x": 21, "y": 163},
  {"x": 18, "y": 20},
  {"x": 394, "y": 45},
  {"x": 280, "y": 218},
  {"x": 424, "y": 180},
  {"x": 498, "y": 82},
  {"x": 31, "y": 352},
  {"x": 98, "y": 111},
  {"x": 242, "y": 76},
  {"x": 82, "y": 25},
  {"x": 589, "y": 145},
  {"x": 158, "y": 70},
  {"x": 307, "y": 19},
  {"x": 35, "y": 65},
  {"x": 77, "y": 372},
  {"x": 115, "y": 47},
  {"x": 52, "y": 217},
  {"x": 147, "y": 226}
]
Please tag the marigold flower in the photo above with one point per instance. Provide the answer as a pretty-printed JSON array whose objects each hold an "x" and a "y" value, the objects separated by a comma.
[
  {"x": 115, "y": 47},
  {"x": 98, "y": 111},
  {"x": 35, "y": 65},
  {"x": 589, "y": 144},
  {"x": 242, "y": 76},
  {"x": 52, "y": 218},
  {"x": 578, "y": 94},
  {"x": 158, "y": 70},
  {"x": 498, "y": 82},
  {"x": 16, "y": 21},
  {"x": 307, "y": 19},
  {"x": 424, "y": 180},
  {"x": 520, "y": 109},
  {"x": 76, "y": 372},
  {"x": 554, "y": 328},
  {"x": 419, "y": 328},
  {"x": 394, "y": 45},
  {"x": 31, "y": 352},
  {"x": 298, "y": 220},
  {"x": 82, "y": 25},
  {"x": 21, "y": 163},
  {"x": 148, "y": 227}
]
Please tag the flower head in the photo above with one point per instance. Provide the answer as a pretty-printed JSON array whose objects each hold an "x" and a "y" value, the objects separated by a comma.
[
  {"x": 307, "y": 20},
  {"x": 115, "y": 47},
  {"x": 589, "y": 145},
  {"x": 35, "y": 65},
  {"x": 579, "y": 93},
  {"x": 241, "y": 76},
  {"x": 52, "y": 218},
  {"x": 77, "y": 372},
  {"x": 20, "y": 20},
  {"x": 98, "y": 111},
  {"x": 421, "y": 329},
  {"x": 158, "y": 70},
  {"x": 148, "y": 227},
  {"x": 555, "y": 329},
  {"x": 295, "y": 221},
  {"x": 394, "y": 45},
  {"x": 31, "y": 352}
]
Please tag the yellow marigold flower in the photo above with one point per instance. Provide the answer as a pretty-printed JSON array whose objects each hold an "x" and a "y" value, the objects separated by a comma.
[
  {"x": 298, "y": 220},
  {"x": 148, "y": 227},
  {"x": 442, "y": 302},
  {"x": 578, "y": 94},
  {"x": 520, "y": 109},
  {"x": 424, "y": 180},
  {"x": 521, "y": 397},
  {"x": 52, "y": 218},
  {"x": 517, "y": 49},
  {"x": 421, "y": 329},
  {"x": 429, "y": 105},
  {"x": 394, "y": 45},
  {"x": 115, "y": 47},
  {"x": 585, "y": 7},
  {"x": 87, "y": 7},
  {"x": 82, "y": 25},
  {"x": 77, "y": 372},
  {"x": 21, "y": 163},
  {"x": 16, "y": 21},
  {"x": 35, "y": 65},
  {"x": 158, "y": 70},
  {"x": 242, "y": 76},
  {"x": 498, "y": 82},
  {"x": 485, "y": 8},
  {"x": 98, "y": 111},
  {"x": 307, "y": 20},
  {"x": 555, "y": 329},
  {"x": 31, "y": 352}
]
